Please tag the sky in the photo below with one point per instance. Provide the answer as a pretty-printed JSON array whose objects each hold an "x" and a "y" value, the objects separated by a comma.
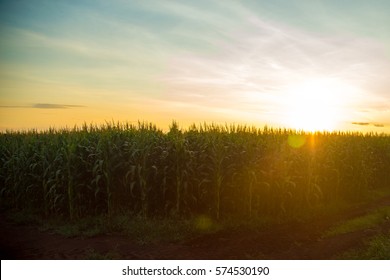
[{"x": 313, "y": 65}]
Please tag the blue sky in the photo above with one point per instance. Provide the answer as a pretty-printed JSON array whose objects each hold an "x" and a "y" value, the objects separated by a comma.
[{"x": 257, "y": 62}]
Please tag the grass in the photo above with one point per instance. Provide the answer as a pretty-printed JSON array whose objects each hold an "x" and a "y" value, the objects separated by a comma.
[
  {"x": 92, "y": 254},
  {"x": 25, "y": 218},
  {"x": 378, "y": 248},
  {"x": 361, "y": 223},
  {"x": 77, "y": 229},
  {"x": 153, "y": 230},
  {"x": 145, "y": 231},
  {"x": 142, "y": 231},
  {"x": 139, "y": 229}
]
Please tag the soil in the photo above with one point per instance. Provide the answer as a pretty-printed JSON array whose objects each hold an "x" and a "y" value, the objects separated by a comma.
[{"x": 289, "y": 241}]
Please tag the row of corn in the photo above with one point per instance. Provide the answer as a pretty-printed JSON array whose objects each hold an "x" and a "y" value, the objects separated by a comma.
[{"x": 220, "y": 171}]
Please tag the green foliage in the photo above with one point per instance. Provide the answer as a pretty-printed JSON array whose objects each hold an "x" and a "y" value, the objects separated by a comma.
[
  {"x": 363, "y": 222},
  {"x": 378, "y": 248},
  {"x": 216, "y": 171}
]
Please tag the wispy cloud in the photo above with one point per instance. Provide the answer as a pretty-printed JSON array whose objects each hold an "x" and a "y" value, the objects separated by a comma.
[
  {"x": 13, "y": 106},
  {"x": 54, "y": 106},
  {"x": 44, "y": 106},
  {"x": 361, "y": 123},
  {"x": 369, "y": 124},
  {"x": 228, "y": 59},
  {"x": 257, "y": 65}
]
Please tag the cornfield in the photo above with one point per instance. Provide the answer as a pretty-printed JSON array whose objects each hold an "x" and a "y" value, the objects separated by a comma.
[{"x": 220, "y": 171}]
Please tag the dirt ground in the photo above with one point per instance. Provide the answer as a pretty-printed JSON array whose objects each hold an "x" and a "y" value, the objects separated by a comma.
[{"x": 287, "y": 241}]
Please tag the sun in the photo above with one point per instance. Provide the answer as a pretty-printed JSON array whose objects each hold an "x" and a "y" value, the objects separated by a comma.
[{"x": 317, "y": 104}]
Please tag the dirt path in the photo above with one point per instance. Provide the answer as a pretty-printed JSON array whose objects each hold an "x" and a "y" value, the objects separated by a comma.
[{"x": 288, "y": 241}]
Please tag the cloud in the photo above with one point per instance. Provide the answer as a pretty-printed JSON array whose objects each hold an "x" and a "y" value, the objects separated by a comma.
[
  {"x": 231, "y": 59},
  {"x": 361, "y": 123},
  {"x": 13, "y": 106},
  {"x": 369, "y": 124},
  {"x": 259, "y": 62},
  {"x": 43, "y": 106},
  {"x": 54, "y": 106}
]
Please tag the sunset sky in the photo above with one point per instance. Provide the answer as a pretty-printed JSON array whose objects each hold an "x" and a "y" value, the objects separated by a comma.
[{"x": 310, "y": 65}]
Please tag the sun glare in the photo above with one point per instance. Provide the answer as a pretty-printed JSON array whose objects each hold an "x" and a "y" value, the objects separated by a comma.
[{"x": 317, "y": 104}]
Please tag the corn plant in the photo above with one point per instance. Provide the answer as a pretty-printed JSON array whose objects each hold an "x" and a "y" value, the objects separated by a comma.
[{"x": 218, "y": 171}]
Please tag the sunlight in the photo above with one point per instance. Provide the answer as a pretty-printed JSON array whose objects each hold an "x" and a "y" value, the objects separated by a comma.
[{"x": 317, "y": 104}]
